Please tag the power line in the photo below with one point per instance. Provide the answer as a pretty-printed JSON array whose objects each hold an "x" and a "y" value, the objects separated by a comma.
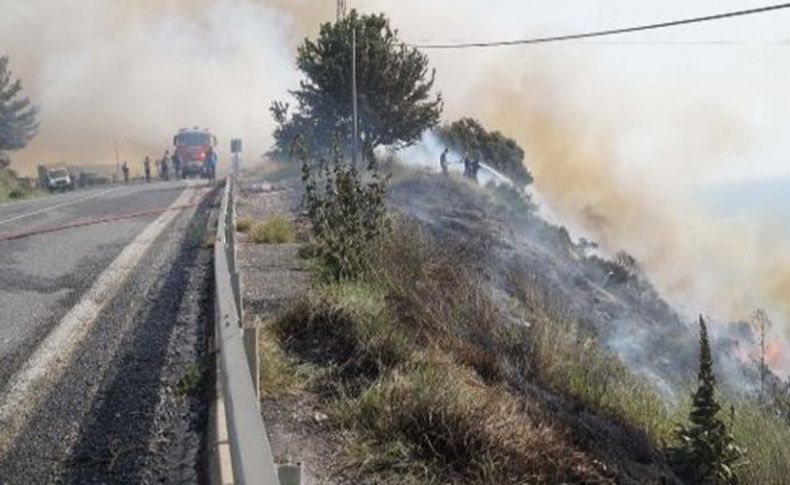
[{"x": 602, "y": 33}]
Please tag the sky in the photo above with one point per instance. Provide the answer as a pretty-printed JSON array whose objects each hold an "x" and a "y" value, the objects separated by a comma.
[{"x": 638, "y": 141}]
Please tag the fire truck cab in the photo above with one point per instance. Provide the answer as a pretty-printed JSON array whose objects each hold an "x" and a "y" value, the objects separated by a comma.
[{"x": 191, "y": 145}]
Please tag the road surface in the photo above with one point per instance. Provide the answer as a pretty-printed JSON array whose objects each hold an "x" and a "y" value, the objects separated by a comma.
[{"x": 104, "y": 313}]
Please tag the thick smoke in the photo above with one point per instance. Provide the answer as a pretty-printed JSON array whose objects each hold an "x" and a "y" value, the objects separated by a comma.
[
  {"x": 135, "y": 72},
  {"x": 620, "y": 137}
]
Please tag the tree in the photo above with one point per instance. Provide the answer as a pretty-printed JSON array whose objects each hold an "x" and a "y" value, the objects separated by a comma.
[
  {"x": 706, "y": 452},
  {"x": 761, "y": 322},
  {"x": 394, "y": 88},
  {"x": 17, "y": 114},
  {"x": 494, "y": 148}
]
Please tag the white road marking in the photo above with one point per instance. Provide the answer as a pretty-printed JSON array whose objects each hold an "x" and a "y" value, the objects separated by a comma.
[
  {"x": 58, "y": 206},
  {"x": 30, "y": 385}
]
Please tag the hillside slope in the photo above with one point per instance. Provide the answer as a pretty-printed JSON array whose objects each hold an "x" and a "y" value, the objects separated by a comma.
[{"x": 624, "y": 313}]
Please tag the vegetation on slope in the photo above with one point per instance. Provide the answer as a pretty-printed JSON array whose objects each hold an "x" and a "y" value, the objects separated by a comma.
[
  {"x": 11, "y": 188},
  {"x": 430, "y": 377},
  {"x": 467, "y": 135}
]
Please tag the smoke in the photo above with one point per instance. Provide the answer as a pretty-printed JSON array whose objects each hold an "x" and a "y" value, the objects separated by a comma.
[
  {"x": 133, "y": 73},
  {"x": 620, "y": 138},
  {"x": 589, "y": 163}
]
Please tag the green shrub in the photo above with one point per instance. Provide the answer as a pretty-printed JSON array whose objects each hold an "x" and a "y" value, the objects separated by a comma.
[
  {"x": 276, "y": 230},
  {"x": 192, "y": 380},
  {"x": 347, "y": 213}
]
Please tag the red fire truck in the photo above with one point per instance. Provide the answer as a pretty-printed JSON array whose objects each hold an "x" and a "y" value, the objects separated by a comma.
[{"x": 191, "y": 146}]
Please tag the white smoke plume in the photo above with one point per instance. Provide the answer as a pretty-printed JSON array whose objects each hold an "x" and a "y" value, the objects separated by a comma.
[
  {"x": 135, "y": 72},
  {"x": 621, "y": 134}
]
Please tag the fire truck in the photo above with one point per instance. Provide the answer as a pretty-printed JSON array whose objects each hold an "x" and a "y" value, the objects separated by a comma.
[{"x": 191, "y": 146}]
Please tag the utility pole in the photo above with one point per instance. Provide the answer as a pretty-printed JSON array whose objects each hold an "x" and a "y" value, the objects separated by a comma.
[
  {"x": 341, "y": 9},
  {"x": 354, "y": 96}
]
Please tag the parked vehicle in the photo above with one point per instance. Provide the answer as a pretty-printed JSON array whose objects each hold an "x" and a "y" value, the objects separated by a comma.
[
  {"x": 55, "y": 179},
  {"x": 192, "y": 145}
]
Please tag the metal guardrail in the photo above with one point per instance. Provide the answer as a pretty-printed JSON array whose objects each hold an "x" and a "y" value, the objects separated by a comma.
[{"x": 250, "y": 451}]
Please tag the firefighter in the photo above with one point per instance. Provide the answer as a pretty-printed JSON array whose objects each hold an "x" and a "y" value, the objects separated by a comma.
[
  {"x": 176, "y": 159},
  {"x": 467, "y": 165},
  {"x": 164, "y": 169},
  {"x": 125, "y": 170},
  {"x": 147, "y": 168},
  {"x": 474, "y": 167},
  {"x": 443, "y": 161},
  {"x": 211, "y": 164}
]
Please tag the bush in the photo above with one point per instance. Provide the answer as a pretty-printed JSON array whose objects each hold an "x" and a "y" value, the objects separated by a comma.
[
  {"x": 275, "y": 230},
  {"x": 244, "y": 224},
  {"x": 347, "y": 214},
  {"x": 17, "y": 194}
]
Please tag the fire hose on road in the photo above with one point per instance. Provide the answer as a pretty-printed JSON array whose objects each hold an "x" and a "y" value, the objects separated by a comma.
[{"x": 91, "y": 222}]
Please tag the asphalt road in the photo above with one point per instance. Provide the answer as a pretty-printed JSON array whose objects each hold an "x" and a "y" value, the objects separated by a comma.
[{"x": 104, "y": 313}]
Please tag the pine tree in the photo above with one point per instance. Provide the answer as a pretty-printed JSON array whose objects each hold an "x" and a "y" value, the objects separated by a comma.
[
  {"x": 17, "y": 115},
  {"x": 706, "y": 452}
]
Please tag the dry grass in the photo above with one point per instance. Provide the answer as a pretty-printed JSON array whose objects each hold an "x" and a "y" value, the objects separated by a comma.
[
  {"x": 438, "y": 422},
  {"x": 422, "y": 365},
  {"x": 414, "y": 380},
  {"x": 354, "y": 325},
  {"x": 560, "y": 355},
  {"x": 280, "y": 374},
  {"x": 244, "y": 224},
  {"x": 275, "y": 230},
  {"x": 766, "y": 439}
]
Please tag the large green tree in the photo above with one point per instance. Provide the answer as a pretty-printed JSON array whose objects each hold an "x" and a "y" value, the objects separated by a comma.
[
  {"x": 17, "y": 114},
  {"x": 394, "y": 83},
  {"x": 494, "y": 148}
]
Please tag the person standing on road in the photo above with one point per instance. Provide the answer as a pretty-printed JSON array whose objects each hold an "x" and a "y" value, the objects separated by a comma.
[
  {"x": 147, "y": 168},
  {"x": 443, "y": 161},
  {"x": 176, "y": 165},
  {"x": 125, "y": 170},
  {"x": 165, "y": 168},
  {"x": 211, "y": 164}
]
